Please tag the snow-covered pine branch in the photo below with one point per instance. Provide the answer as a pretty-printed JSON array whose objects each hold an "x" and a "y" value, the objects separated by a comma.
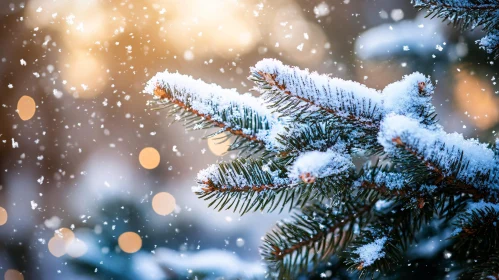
[
  {"x": 313, "y": 236},
  {"x": 205, "y": 105},
  {"x": 256, "y": 185},
  {"x": 299, "y": 92},
  {"x": 313, "y": 125},
  {"x": 348, "y": 100},
  {"x": 465, "y": 164},
  {"x": 475, "y": 228}
]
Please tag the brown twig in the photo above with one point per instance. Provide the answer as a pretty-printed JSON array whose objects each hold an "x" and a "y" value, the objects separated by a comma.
[
  {"x": 210, "y": 187},
  {"x": 481, "y": 7}
]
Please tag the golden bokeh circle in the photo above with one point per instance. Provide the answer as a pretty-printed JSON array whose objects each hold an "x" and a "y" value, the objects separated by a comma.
[
  {"x": 57, "y": 246},
  {"x": 217, "y": 148},
  {"x": 26, "y": 107},
  {"x": 163, "y": 203},
  {"x": 149, "y": 158},
  {"x": 3, "y": 216},
  {"x": 65, "y": 234},
  {"x": 130, "y": 242},
  {"x": 12, "y": 274}
]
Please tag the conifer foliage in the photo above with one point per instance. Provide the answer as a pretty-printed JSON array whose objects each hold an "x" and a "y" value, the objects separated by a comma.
[
  {"x": 297, "y": 141},
  {"x": 469, "y": 14}
]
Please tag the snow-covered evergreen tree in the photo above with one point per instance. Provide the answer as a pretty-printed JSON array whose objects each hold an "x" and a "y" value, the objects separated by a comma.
[{"x": 297, "y": 143}]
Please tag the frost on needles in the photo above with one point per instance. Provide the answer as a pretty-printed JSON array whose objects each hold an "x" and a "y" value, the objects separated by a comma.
[{"x": 298, "y": 141}]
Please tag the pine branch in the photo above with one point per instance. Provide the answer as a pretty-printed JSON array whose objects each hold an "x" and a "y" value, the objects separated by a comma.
[
  {"x": 203, "y": 106},
  {"x": 321, "y": 136},
  {"x": 256, "y": 185},
  {"x": 313, "y": 236},
  {"x": 304, "y": 95},
  {"x": 464, "y": 13},
  {"x": 373, "y": 252},
  {"x": 428, "y": 174},
  {"x": 477, "y": 229},
  {"x": 461, "y": 166},
  {"x": 167, "y": 94},
  {"x": 379, "y": 248},
  {"x": 487, "y": 268},
  {"x": 345, "y": 106}
]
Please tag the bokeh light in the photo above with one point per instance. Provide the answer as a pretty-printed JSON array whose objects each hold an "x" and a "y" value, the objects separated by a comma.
[
  {"x": 149, "y": 158},
  {"x": 83, "y": 74},
  {"x": 229, "y": 33},
  {"x": 64, "y": 242},
  {"x": 163, "y": 203},
  {"x": 218, "y": 146},
  {"x": 57, "y": 246},
  {"x": 130, "y": 242},
  {"x": 12, "y": 274},
  {"x": 301, "y": 41},
  {"x": 3, "y": 216},
  {"x": 476, "y": 98},
  {"x": 26, "y": 107},
  {"x": 65, "y": 234}
]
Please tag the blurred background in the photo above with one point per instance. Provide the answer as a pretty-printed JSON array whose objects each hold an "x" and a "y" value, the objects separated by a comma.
[{"x": 95, "y": 185}]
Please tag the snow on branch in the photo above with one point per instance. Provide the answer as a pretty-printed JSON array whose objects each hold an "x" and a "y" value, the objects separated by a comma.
[
  {"x": 313, "y": 236},
  {"x": 490, "y": 43},
  {"x": 411, "y": 97},
  {"x": 241, "y": 176},
  {"x": 371, "y": 252},
  {"x": 321, "y": 123},
  {"x": 386, "y": 183},
  {"x": 254, "y": 185},
  {"x": 449, "y": 155},
  {"x": 313, "y": 165},
  {"x": 345, "y": 99},
  {"x": 247, "y": 185},
  {"x": 240, "y": 114},
  {"x": 477, "y": 227},
  {"x": 335, "y": 96}
]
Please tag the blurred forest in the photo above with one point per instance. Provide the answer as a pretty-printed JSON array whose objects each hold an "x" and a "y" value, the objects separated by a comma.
[{"x": 75, "y": 164}]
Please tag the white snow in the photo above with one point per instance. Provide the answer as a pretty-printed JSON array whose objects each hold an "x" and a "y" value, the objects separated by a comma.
[
  {"x": 322, "y": 90},
  {"x": 404, "y": 98},
  {"x": 232, "y": 179},
  {"x": 407, "y": 96},
  {"x": 426, "y": 142},
  {"x": 321, "y": 10},
  {"x": 14, "y": 144},
  {"x": 398, "y": 107},
  {"x": 222, "y": 105},
  {"x": 392, "y": 180},
  {"x": 481, "y": 205},
  {"x": 320, "y": 164},
  {"x": 371, "y": 252}
]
